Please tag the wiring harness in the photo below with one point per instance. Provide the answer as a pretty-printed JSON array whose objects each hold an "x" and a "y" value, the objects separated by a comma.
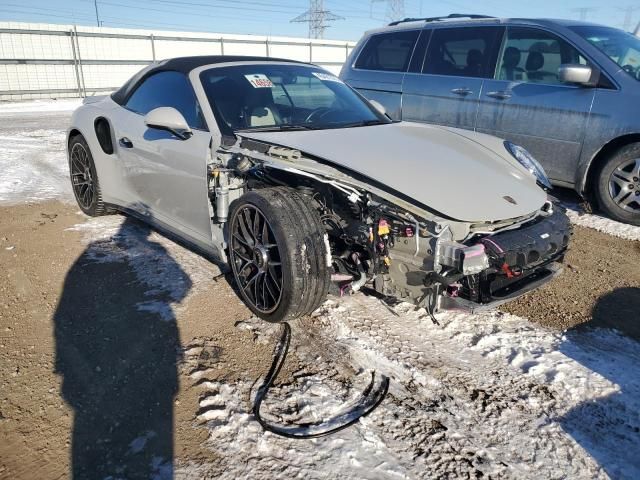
[{"x": 371, "y": 397}]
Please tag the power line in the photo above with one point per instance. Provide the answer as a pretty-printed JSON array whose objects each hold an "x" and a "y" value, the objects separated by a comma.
[
  {"x": 103, "y": 17},
  {"x": 317, "y": 18},
  {"x": 44, "y": 9},
  {"x": 207, "y": 6},
  {"x": 47, "y": 14}
]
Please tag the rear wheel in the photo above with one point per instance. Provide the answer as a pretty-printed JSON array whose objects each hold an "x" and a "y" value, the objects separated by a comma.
[
  {"x": 84, "y": 178},
  {"x": 618, "y": 185},
  {"x": 278, "y": 253}
]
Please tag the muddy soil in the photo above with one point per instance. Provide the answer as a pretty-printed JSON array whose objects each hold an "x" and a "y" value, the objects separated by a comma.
[{"x": 77, "y": 352}]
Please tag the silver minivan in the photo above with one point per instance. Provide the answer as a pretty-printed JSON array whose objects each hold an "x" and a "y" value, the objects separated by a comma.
[{"x": 568, "y": 91}]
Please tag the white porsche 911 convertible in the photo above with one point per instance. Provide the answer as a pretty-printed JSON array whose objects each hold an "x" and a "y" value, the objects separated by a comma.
[{"x": 281, "y": 171}]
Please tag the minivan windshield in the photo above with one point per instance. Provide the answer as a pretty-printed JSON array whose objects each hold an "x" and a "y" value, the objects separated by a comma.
[
  {"x": 284, "y": 97},
  {"x": 622, "y": 47}
]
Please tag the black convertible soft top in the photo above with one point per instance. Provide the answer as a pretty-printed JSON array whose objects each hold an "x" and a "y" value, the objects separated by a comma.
[{"x": 183, "y": 65}]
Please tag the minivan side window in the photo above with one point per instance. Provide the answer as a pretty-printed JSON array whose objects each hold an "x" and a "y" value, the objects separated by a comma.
[
  {"x": 463, "y": 52},
  {"x": 534, "y": 56},
  {"x": 389, "y": 52},
  {"x": 167, "y": 89}
]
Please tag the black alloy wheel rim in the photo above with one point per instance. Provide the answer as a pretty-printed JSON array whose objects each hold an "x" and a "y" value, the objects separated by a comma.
[
  {"x": 255, "y": 259},
  {"x": 81, "y": 176}
]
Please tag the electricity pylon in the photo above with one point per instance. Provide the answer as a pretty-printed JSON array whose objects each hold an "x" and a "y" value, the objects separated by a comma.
[{"x": 317, "y": 18}]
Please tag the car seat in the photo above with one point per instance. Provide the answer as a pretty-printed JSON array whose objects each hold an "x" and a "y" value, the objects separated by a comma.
[
  {"x": 260, "y": 109},
  {"x": 510, "y": 69},
  {"x": 474, "y": 63},
  {"x": 535, "y": 62}
]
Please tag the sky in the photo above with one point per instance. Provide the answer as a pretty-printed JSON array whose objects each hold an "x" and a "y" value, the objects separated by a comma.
[{"x": 273, "y": 17}]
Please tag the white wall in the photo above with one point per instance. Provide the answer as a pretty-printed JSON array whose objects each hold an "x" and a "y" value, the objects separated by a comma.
[{"x": 45, "y": 60}]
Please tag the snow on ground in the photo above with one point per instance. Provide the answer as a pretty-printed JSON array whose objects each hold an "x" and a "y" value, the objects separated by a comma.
[
  {"x": 33, "y": 166},
  {"x": 579, "y": 216},
  {"x": 170, "y": 271},
  {"x": 479, "y": 395},
  {"x": 39, "y": 106},
  {"x": 33, "y": 161}
]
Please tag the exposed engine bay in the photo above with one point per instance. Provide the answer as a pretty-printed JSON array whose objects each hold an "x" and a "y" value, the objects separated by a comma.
[{"x": 380, "y": 239}]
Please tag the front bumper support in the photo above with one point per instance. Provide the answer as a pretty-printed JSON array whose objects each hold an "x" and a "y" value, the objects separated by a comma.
[{"x": 531, "y": 282}]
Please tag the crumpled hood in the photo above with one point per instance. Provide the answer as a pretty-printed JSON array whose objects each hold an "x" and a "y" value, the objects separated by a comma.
[{"x": 455, "y": 172}]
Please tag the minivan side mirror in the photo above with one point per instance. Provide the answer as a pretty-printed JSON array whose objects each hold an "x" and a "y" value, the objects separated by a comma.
[
  {"x": 577, "y": 74},
  {"x": 170, "y": 119}
]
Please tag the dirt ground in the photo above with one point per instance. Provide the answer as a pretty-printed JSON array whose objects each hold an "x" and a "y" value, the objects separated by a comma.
[
  {"x": 598, "y": 268},
  {"x": 70, "y": 335},
  {"x": 55, "y": 307}
]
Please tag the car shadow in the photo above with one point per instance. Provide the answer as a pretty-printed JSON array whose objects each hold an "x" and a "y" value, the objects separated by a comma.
[
  {"x": 608, "y": 427},
  {"x": 117, "y": 351}
]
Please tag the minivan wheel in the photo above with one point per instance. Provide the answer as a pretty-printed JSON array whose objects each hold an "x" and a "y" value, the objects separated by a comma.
[
  {"x": 84, "y": 178},
  {"x": 278, "y": 253},
  {"x": 618, "y": 185}
]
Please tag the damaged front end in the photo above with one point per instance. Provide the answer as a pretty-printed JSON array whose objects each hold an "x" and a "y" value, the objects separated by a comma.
[{"x": 381, "y": 239}]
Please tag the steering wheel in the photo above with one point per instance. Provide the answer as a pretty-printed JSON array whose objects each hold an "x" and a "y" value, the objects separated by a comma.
[{"x": 317, "y": 114}]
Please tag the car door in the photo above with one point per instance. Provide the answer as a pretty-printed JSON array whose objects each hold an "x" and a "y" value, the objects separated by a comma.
[
  {"x": 447, "y": 89},
  {"x": 380, "y": 66},
  {"x": 167, "y": 175},
  {"x": 527, "y": 104}
]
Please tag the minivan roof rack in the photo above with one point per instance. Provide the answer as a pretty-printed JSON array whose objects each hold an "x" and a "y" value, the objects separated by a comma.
[{"x": 438, "y": 19}]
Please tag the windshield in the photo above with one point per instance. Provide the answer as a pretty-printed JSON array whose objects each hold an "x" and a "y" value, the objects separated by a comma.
[
  {"x": 283, "y": 97},
  {"x": 623, "y": 48}
]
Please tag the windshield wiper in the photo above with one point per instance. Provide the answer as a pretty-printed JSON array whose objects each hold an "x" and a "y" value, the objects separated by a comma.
[
  {"x": 277, "y": 128},
  {"x": 363, "y": 123}
]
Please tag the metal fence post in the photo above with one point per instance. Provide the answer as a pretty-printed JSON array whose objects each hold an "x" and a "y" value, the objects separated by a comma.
[
  {"x": 75, "y": 62},
  {"x": 153, "y": 47},
  {"x": 310, "y": 52},
  {"x": 266, "y": 44},
  {"x": 84, "y": 88},
  {"x": 221, "y": 45}
]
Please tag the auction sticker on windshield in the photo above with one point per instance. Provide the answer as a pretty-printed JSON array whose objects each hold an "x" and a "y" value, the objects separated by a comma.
[
  {"x": 259, "y": 80},
  {"x": 326, "y": 77}
]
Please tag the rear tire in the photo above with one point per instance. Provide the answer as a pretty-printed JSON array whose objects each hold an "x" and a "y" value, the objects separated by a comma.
[
  {"x": 617, "y": 187},
  {"x": 278, "y": 253},
  {"x": 84, "y": 178}
]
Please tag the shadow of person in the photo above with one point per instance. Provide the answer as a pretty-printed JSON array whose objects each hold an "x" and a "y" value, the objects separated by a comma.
[
  {"x": 117, "y": 348},
  {"x": 608, "y": 426}
]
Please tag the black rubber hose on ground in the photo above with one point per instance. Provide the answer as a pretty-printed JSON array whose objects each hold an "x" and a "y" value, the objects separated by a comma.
[{"x": 367, "y": 403}]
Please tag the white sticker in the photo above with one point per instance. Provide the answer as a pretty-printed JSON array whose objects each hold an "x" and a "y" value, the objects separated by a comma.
[
  {"x": 544, "y": 235},
  {"x": 326, "y": 77},
  {"x": 259, "y": 80}
]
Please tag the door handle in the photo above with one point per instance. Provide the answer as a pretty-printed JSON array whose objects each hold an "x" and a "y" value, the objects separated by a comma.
[
  {"x": 500, "y": 95},
  {"x": 125, "y": 142},
  {"x": 462, "y": 91}
]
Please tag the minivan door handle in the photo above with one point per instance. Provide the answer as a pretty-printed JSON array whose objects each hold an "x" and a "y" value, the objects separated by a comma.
[
  {"x": 126, "y": 143},
  {"x": 462, "y": 91},
  {"x": 500, "y": 95}
]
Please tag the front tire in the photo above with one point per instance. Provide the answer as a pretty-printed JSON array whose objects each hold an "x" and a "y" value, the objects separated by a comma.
[
  {"x": 84, "y": 178},
  {"x": 278, "y": 253},
  {"x": 618, "y": 185}
]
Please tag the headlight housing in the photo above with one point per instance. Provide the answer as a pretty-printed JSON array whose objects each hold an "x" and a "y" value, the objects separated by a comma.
[{"x": 527, "y": 161}]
